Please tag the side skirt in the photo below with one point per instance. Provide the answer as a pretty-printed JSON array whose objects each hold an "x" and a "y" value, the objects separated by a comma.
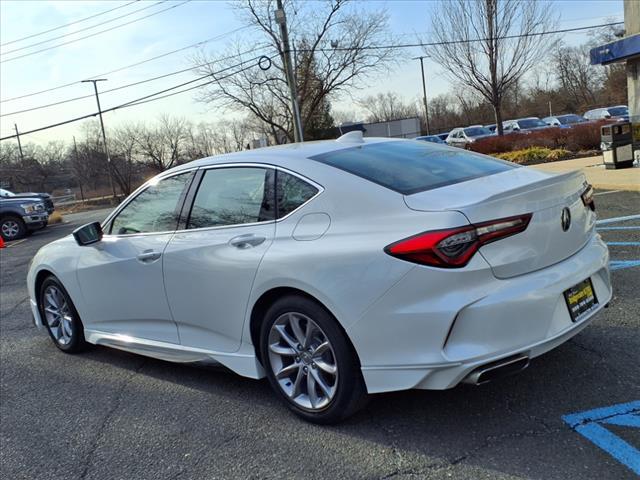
[{"x": 243, "y": 361}]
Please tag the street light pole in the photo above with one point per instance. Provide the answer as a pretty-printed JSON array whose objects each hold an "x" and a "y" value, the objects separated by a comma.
[
  {"x": 281, "y": 20},
  {"x": 424, "y": 90},
  {"x": 104, "y": 136}
]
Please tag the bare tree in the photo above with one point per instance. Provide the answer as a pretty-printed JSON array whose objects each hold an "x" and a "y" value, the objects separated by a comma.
[
  {"x": 124, "y": 155},
  {"x": 388, "y": 106},
  {"x": 162, "y": 146},
  {"x": 489, "y": 45},
  {"x": 331, "y": 42}
]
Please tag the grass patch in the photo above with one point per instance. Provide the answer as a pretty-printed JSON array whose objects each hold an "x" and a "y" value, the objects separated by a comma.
[
  {"x": 533, "y": 155},
  {"x": 55, "y": 217}
]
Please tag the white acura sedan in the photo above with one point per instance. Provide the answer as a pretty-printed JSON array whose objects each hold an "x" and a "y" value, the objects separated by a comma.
[{"x": 335, "y": 269}]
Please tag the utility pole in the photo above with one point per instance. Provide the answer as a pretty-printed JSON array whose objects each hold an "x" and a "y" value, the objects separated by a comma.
[
  {"x": 424, "y": 90},
  {"x": 104, "y": 136},
  {"x": 550, "y": 112},
  {"x": 75, "y": 150},
  {"x": 281, "y": 20},
  {"x": 19, "y": 144}
]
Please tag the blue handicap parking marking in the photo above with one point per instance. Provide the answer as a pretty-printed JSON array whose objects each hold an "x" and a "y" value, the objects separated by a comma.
[
  {"x": 620, "y": 264},
  {"x": 626, "y": 218},
  {"x": 591, "y": 425},
  {"x": 632, "y": 227}
]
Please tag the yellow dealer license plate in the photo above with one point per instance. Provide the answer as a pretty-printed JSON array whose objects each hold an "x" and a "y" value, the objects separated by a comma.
[{"x": 581, "y": 298}]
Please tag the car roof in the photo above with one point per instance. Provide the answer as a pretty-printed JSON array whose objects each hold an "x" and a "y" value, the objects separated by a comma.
[{"x": 272, "y": 155}]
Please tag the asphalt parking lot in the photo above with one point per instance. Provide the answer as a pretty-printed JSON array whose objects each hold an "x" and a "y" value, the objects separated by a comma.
[{"x": 110, "y": 414}]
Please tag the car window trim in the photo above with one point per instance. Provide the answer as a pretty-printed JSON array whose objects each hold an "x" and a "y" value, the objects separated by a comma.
[
  {"x": 277, "y": 168},
  {"x": 202, "y": 173},
  {"x": 190, "y": 197},
  {"x": 107, "y": 224}
]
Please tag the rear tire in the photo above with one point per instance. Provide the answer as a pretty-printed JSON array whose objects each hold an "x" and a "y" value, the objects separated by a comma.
[
  {"x": 12, "y": 228},
  {"x": 309, "y": 361},
  {"x": 60, "y": 317}
]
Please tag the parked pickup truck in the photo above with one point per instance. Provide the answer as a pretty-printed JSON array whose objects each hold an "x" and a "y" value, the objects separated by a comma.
[
  {"x": 19, "y": 216},
  {"x": 44, "y": 198}
]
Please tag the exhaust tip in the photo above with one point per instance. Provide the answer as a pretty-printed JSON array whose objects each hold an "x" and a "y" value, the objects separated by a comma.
[{"x": 498, "y": 369}]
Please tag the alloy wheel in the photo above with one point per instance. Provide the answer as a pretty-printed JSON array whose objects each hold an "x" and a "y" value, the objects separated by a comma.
[
  {"x": 303, "y": 361},
  {"x": 10, "y": 229},
  {"x": 58, "y": 315}
]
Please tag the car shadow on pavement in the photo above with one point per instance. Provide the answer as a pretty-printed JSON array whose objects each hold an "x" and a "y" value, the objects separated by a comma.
[{"x": 512, "y": 426}]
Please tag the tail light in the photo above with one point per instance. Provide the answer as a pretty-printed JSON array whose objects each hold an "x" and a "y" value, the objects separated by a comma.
[
  {"x": 453, "y": 248},
  {"x": 587, "y": 198}
]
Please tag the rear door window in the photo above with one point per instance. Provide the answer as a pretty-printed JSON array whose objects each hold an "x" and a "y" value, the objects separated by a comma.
[{"x": 409, "y": 167}]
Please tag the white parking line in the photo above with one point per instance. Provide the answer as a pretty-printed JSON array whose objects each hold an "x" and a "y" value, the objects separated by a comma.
[
  {"x": 16, "y": 242},
  {"x": 608, "y": 191}
]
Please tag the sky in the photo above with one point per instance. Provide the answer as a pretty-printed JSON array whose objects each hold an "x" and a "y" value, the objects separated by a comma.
[{"x": 173, "y": 25}]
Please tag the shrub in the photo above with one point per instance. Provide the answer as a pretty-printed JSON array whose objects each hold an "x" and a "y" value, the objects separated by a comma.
[
  {"x": 578, "y": 138},
  {"x": 55, "y": 217},
  {"x": 534, "y": 155}
]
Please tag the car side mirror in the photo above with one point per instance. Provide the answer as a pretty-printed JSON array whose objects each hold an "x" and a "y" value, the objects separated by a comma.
[{"x": 88, "y": 234}]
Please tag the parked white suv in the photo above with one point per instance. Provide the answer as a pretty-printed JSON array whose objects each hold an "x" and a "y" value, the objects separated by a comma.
[{"x": 620, "y": 112}]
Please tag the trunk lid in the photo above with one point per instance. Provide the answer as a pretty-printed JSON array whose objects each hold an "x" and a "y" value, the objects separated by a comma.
[{"x": 516, "y": 192}]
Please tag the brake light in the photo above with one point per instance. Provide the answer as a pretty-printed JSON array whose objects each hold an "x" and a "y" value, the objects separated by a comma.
[
  {"x": 587, "y": 198},
  {"x": 453, "y": 248}
]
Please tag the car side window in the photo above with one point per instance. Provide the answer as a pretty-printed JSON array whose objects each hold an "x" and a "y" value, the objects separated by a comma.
[
  {"x": 155, "y": 209},
  {"x": 233, "y": 196},
  {"x": 292, "y": 192}
]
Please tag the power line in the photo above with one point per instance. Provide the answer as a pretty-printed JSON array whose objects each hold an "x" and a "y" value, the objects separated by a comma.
[
  {"x": 158, "y": 77},
  {"x": 68, "y": 24},
  {"x": 421, "y": 44},
  {"x": 84, "y": 29},
  {"x": 453, "y": 42},
  {"x": 148, "y": 98},
  {"x": 166, "y": 54},
  {"x": 95, "y": 33}
]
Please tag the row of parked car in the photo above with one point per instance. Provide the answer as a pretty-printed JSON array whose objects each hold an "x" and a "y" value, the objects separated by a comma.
[
  {"x": 461, "y": 137},
  {"x": 23, "y": 213}
]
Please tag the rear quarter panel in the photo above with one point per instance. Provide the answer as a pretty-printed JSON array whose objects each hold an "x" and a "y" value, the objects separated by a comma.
[{"x": 346, "y": 268}]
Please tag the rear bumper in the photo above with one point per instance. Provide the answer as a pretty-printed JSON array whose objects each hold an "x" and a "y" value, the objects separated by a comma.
[{"x": 432, "y": 335}]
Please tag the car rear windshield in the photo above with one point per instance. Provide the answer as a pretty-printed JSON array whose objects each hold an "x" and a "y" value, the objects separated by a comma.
[
  {"x": 531, "y": 123},
  {"x": 477, "y": 131},
  {"x": 409, "y": 167},
  {"x": 618, "y": 111},
  {"x": 568, "y": 119}
]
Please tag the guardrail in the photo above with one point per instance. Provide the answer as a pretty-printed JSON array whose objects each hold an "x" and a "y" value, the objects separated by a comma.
[{"x": 64, "y": 199}]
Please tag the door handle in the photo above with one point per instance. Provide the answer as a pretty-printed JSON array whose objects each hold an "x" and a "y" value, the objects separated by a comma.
[
  {"x": 149, "y": 257},
  {"x": 246, "y": 241}
]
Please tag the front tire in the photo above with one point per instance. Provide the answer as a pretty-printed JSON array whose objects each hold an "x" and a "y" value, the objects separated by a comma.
[
  {"x": 60, "y": 317},
  {"x": 12, "y": 228},
  {"x": 309, "y": 361}
]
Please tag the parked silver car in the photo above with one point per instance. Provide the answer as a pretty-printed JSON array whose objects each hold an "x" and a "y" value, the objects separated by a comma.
[
  {"x": 523, "y": 125},
  {"x": 564, "y": 121},
  {"x": 461, "y": 137},
  {"x": 619, "y": 112}
]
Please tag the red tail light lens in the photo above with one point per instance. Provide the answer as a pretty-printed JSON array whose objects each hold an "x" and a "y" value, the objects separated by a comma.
[{"x": 453, "y": 248}]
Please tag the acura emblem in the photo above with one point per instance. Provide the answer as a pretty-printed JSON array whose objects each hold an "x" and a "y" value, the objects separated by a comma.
[{"x": 565, "y": 219}]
